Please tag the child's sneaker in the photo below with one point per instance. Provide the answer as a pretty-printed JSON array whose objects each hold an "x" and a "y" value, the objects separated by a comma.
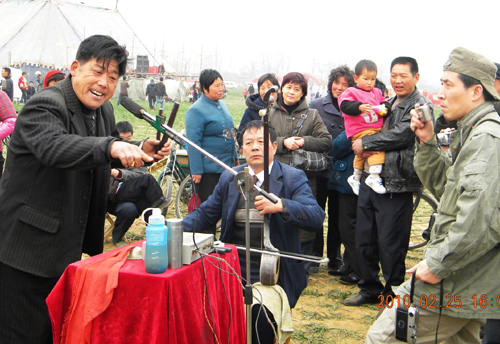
[
  {"x": 375, "y": 184},
  {"x": 354, "y": 184}
]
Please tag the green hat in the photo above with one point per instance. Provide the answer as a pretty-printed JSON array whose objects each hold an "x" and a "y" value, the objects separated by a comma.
[{"x": 476, "y": 66}]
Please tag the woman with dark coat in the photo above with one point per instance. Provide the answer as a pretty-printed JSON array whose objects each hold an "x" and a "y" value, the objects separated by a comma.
[
  {"x": 285, "y": 116},
  {"x": 339, "y": 80},
  {"x": 255, "y": 102}
]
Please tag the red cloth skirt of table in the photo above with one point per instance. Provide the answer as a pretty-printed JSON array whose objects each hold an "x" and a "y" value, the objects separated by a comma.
[{"x": 172, "y": 307}]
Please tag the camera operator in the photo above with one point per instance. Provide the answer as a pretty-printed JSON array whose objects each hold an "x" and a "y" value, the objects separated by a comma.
[{"x": 460, "y": 263}]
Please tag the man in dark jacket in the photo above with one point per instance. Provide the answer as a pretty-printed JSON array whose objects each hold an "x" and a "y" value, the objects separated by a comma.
[
  {"x": 151, "y": 94},
  {"x": 8, "y": 84},
  {"x": 31, "y": 90},
  {"x": 384, "y": 221},
  {"x": 295, "y": 209},
  {"x": 55, "y": 186},
  {"x": 161, "y": 93},
  {"x": 131, "y": 191}
]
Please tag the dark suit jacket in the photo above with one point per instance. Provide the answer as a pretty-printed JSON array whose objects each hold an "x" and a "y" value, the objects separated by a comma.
[
  {"x": 332, "y": 117},
  {"x": 301, "y": 211},
  {"x": 54, "y": 190}
]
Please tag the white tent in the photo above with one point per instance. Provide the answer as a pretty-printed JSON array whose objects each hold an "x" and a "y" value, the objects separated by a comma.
[{"x": 46, "y": 34}]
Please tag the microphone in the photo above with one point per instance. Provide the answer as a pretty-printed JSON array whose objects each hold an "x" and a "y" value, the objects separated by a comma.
[
  {"x": 132, "y": 107},
  {"x": 273, "y": 89},
  {"x": 136, "y": 110}
]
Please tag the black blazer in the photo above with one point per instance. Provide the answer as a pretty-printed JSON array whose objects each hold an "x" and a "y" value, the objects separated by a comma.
[{"x": 54, "y": 190}]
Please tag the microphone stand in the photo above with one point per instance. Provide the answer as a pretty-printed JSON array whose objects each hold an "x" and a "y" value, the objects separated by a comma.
[
  {"x": 181, "y": 140},
  {"x": 248, "y": 286}
]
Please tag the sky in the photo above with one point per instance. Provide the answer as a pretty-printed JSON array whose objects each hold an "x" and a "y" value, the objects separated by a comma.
[{"x": 310, "y": 36}]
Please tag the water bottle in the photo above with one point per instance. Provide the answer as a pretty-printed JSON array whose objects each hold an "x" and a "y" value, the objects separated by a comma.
[{"x": 156, "y": 260}]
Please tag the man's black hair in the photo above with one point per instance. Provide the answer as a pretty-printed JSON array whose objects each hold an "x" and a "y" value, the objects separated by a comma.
[
  {"x": 405, "y": 60},
  {"x": 470, "y": 81},
  {"x": 7, "y": 69},
  {"x": 207, "y": 78},
  {"x": 258, "y": 124},
  {"x": 124, "y": 127},
  {"x": 341, "y": 71},
  {"x": 369, "y": 65},
  {"x": 103, "y": 48}
]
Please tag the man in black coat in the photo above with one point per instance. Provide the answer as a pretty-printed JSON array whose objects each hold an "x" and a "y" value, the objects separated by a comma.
[
  {"x": 151, "y": 93},
  {"x": 7, "y": 84},
  {"x": 55, "y": 186},
  {"x": 383, "y": 222},
  {"x": 31, "y": 90},
  {"x": 161, "y": 93}
]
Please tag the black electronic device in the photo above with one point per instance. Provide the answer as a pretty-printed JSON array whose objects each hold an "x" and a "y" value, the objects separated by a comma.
[
  {"x": 406, "y": 324},
  {"x": 407, "y": 318}
]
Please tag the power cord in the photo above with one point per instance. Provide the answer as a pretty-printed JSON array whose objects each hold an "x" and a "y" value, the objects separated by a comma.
[{"x": 227, "y": 299}]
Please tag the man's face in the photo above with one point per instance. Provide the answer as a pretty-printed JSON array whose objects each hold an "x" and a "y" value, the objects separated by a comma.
[
  {"x": 4, "y": 73},
  {"x": 456, "y": 100},
  {"x": 94, "y": 84},
  {"x": 126, "y": 136},
  {"x": 253, "y": 148},
  {"x": 402, "y": 80}
]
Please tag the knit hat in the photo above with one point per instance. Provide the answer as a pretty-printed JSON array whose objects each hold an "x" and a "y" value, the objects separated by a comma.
[
  {"x": 52, "y": 75},
  {"x": 476, "y": 66}
]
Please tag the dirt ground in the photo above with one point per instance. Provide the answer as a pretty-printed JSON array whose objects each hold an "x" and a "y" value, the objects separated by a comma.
[{"x": 319, "y": 316}]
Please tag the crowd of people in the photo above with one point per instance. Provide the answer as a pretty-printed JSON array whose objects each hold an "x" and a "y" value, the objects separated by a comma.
[
  {"x": 382, "y": 153},
  {"x": 378, "y": 153}
]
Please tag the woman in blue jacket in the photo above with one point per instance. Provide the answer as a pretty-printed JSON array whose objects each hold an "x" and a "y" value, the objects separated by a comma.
[{"x": 210, "y": 125}]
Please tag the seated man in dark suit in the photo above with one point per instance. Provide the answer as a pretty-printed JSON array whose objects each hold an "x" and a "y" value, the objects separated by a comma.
[
  {"x": 131, "y": 191},
  {"x": 296, "y": 209}
]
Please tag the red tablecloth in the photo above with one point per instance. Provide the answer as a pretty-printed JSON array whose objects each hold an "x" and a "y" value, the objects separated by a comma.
[{"x": 171, "y": 307}]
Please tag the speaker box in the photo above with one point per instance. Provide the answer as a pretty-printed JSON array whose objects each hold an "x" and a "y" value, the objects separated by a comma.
[{"x": 142, "y": 64}]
